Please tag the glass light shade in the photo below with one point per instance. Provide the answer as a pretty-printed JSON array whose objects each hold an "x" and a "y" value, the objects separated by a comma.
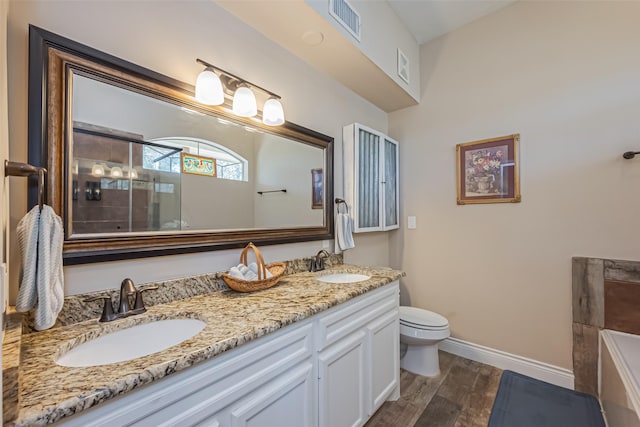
[
  {"x": 244, "y": 102},
  {"x": 129, "y": 173},
  {"x": 116, "y": 172},
  {"x": 272, "y": 113},
  {"x": 209, "y": 88},
  {"x": 97, "y": 170}
]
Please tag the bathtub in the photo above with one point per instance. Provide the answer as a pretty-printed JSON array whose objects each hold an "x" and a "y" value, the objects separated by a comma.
[{"x": 619, "y": 378}]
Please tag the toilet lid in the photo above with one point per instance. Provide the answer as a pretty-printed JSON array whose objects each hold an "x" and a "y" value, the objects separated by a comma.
[{"x": 418, "y": 316}]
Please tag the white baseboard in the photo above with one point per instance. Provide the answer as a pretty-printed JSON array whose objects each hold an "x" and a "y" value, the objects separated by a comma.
[{"x": 503, "y": 360}]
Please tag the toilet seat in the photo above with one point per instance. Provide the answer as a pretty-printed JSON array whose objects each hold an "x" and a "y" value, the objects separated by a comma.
[{"x": 422, "y": 319}]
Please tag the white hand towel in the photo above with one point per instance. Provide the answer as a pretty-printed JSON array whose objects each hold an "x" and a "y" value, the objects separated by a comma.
[
  {"x": 234, "y": 272},
  {"x": 248, "y": 274},
  {"x": 40, "y": 238},
  {"x": 254, "y": 267},
  {"x": 344, "y": 232}
]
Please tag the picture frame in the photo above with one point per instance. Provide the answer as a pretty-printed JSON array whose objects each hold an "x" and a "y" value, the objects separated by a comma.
[
  {"x": 488, "y": 171},
  {"x": 317, "y": 193},
  {"x": 198, "y": 165}
]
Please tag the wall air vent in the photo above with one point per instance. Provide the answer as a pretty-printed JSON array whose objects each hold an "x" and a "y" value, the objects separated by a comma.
[
  {"x": 346, "y": 15},
  {"x": 403, "y": 66}
]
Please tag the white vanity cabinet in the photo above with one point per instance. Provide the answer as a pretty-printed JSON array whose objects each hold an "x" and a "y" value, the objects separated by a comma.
[
  {"x": 371, "y": 178},
  {"x": 333, "y": 369},
  {"x": 358, "y": 363},
  {"x": 270, "y": 377}
]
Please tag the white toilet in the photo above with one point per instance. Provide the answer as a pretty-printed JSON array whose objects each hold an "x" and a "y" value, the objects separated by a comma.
[{"x": 421, "y": 330}]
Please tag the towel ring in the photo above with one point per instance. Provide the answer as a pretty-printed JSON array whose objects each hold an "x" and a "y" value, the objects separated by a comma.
[
  {"x": 25, "y": 169},
  {"x": 339, "y": 202}
]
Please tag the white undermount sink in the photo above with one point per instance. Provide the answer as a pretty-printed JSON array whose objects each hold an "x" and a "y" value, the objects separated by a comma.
[
  {"x": 126, "y": 344},
  {"x": 343, "y": 278}
]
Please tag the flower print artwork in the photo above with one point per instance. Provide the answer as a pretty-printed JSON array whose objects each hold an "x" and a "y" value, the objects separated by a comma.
[
  {"x": 483, "y": 171},
  {"x": 488, "y": 171}
]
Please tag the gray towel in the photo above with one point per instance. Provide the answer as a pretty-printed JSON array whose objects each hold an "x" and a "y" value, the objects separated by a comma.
[{"x": 42, "y": 285}]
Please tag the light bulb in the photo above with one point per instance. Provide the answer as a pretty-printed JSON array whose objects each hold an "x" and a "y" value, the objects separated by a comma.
[
  {"x": 134, "y": 173},
  {"x": 244, "y": 102},
  {"x": 116, "y": 172},
  {"x": 97, "y": 170},
  {"x": 272, "y": 114},
  {"x": 209, "y": 88}
]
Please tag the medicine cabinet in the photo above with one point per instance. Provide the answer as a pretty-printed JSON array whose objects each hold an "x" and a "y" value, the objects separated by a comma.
[{"x": 371, "y": 178}]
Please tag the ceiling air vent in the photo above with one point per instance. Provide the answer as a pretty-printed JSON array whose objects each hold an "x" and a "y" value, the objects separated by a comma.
[{"x": 346, "y": 15}]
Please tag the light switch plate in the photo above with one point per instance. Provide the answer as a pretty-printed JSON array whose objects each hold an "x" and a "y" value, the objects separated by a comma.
[{"x": 411, "y": 222}]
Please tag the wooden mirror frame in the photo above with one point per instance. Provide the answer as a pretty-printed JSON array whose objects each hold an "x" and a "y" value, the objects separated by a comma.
[{"x": 50, "y": 58}]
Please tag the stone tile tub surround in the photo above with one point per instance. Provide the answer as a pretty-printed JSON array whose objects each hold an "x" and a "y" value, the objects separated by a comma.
[
  {"x": 49, "y": 392},
  {"x": 606, "y": 295},
  {"x": 75, "y": 309}
]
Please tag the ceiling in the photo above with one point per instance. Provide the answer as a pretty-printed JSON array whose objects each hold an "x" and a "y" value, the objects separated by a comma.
[{"x": 429, "y": 19}]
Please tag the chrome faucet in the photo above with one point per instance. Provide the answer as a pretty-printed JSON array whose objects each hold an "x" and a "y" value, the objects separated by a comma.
[
  {"x": 317, "y": 262},
  {"x": 130, "y": 302}
]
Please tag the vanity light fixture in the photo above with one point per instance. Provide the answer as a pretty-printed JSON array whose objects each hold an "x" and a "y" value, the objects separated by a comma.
[
  {"x": 97, "y": 170},
  {"x": 209, "y": 88},
  {"x": 244, "y": 100},
  {"x": 272, "y": 113},
  {"x": 116, "y": 172},
  {"x": 129, "y": 173}
]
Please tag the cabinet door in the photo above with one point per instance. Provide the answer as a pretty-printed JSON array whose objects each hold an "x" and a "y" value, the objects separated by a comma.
[
  {"x": 286, "y": 401},
  {"x": 369, "y": 180},
  {"x": 341, "y": 376},
  {"x": 384, "y": 350},
  {"x": 390, "y": 200}
]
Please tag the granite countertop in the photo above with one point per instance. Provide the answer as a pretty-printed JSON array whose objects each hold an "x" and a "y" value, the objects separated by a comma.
[{"x": 49, "y": 392}]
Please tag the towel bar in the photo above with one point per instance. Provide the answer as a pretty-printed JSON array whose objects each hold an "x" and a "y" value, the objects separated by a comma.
[
  {"x": 25, "y": 169},
  {"x": 284, "y": 190}
]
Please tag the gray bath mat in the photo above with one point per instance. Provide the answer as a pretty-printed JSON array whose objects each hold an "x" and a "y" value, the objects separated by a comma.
[{"x": 526, "y": 402}]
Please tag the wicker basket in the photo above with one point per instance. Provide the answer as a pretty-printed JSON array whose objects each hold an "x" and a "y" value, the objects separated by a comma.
[{"x": 275, "y": 268}]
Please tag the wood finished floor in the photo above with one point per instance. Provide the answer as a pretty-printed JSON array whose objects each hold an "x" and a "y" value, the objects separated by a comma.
[{"x": 461, "y": 396}]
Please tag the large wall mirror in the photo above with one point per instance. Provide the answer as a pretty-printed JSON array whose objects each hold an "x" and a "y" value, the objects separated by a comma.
[{"x": 138, "y": 168}]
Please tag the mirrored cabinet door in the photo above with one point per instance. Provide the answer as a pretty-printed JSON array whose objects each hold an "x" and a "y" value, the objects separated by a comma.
[{"x": 371, "y": 178}]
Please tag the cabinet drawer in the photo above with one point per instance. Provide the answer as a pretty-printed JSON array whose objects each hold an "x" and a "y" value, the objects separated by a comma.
[
  {"x": 354, "y": 315},
  {"x": 196, "y": 394}
]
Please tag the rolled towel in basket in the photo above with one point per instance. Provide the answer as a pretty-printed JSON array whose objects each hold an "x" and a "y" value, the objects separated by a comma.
[
  {"x": 254, "y": 267},
  {"x": 234, "y": 272},
  {"x": 248, "y": 274}
]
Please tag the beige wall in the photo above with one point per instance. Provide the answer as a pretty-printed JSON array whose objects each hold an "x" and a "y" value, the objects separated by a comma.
[
  {"x": 282, "y": 165},
  {"x": 566, "y": 76},
  {"x": 167, "y": 37}
]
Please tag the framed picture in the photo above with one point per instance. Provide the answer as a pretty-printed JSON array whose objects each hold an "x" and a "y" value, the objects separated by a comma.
[
  {"x": 317, "y": 195},
  {"x": 488, "y": 171},
  {"x": 198, "y": 165}
]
